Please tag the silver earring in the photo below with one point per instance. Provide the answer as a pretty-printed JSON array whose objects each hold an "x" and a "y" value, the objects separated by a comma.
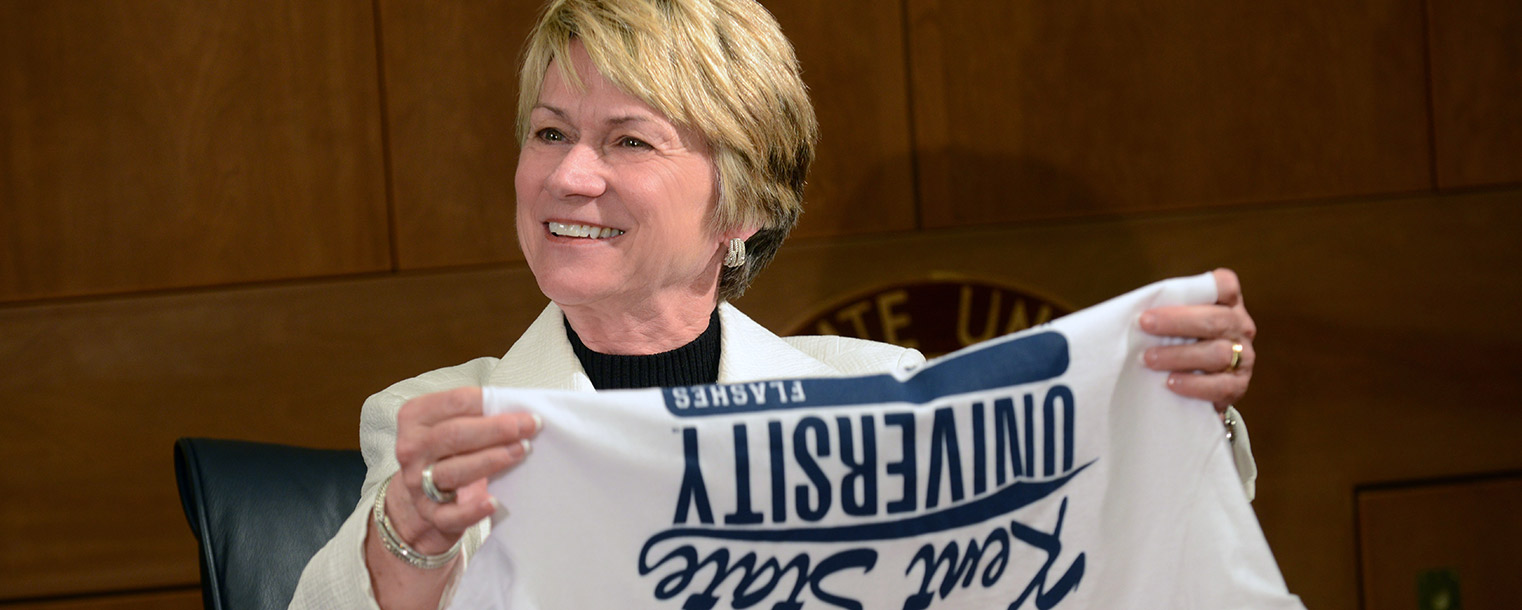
[{"x": 736, "y": 255}]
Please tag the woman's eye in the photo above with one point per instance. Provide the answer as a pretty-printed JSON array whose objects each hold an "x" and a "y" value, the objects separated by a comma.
[
  {"x": 628, "y": 142},
  {"x": 550, "y": 134}
]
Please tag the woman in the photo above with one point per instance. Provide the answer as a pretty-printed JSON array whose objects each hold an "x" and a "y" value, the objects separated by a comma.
[{"x": 664, "y": 150}]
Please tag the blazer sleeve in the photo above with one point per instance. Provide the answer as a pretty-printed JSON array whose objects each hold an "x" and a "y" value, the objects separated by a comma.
[{"x": 337, "y": 578}]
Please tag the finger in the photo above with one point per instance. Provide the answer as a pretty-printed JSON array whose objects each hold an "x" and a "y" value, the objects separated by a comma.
[
  {"x": 1228, "y": 287},
  {"x": 1209, "y": 356},
  {"x": 1198, "y": 321},
  {"x": 472, "y": 504},
  {"x": 1221, "y": 390},
  {"x": 467, "y": 434},
  {"x": 430, "y": 409},
  {"x": 459, "y": 471}
]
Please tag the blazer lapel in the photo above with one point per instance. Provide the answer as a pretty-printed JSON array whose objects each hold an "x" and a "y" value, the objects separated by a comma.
[
  {"x": 750, "y": 352},
  {"x": 542, "y": 358}
]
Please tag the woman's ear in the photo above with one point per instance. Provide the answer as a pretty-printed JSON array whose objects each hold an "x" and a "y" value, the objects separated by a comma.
[
  {"x": 733, "y": 246},
  {"x": 744, "y": 233}
]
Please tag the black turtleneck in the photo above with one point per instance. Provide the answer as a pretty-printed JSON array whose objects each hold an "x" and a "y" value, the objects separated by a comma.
[{"x": 691, "y": 364}]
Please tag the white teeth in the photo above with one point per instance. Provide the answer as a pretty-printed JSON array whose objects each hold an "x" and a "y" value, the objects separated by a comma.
[{"x": 586, "y": 231}]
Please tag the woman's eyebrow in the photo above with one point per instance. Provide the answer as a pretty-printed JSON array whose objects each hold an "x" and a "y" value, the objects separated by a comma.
[
  {"x": 556, "y": 111},
  {"x": 632, "y": 118},
  {"x": 647, "y": 125},
  {"x": 620, "y": 120},
  {"x": 616, "y": 121}
]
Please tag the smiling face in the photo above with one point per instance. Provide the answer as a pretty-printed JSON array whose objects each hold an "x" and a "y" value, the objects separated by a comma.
[{"x": 613, "y": 200}]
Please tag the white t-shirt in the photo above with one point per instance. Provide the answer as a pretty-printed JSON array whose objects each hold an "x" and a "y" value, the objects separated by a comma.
[{"x": 1046, "y": 469}]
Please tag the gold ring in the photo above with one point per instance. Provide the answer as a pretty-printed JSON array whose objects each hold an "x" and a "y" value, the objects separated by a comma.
[{"x": 1236, "y": 358}]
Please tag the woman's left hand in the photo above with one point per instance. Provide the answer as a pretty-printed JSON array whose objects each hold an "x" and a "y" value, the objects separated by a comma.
[{"x": 1203, "y": 369}]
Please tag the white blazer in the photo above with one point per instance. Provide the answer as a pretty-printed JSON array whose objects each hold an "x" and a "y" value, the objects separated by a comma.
[{"x": 336, "y": 578}]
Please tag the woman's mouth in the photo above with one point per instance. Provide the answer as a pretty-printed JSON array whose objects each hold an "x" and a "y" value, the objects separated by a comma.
[{"x": 562, "y": 229}]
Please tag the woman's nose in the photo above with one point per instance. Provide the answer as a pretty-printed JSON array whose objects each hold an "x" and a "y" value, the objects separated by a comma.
[{"x": 579, "y": 174}]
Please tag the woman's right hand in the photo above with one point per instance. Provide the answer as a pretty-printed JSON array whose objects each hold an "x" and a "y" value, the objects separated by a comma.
[{"x": 446, "y": 430}]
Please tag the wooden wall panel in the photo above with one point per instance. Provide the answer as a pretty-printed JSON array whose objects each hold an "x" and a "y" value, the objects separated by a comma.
[
  {"x": 451, "y": 73},
  {"x": 1389, "y": 342},
  {"x": 863, "y": 178},
  {"x": 1053, "y": 109},
  {"x": 1467, "y": 528},
  {"x": 1476, "y": 91},
  {"x": 156, "y": 144},
  {"x": 186, "y": 599},
  {"x": 96, "y": 393}
]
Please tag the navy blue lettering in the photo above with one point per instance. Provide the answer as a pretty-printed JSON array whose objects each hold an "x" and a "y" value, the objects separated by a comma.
[
  {"x": 960, "y": 569},
  {"x": 906, "y": 467},
  {"x": 944, "y": 455},
  {"x": 864, "y": 470},
  {"x": 720, "y": 398},
  {"x": 1049, "y": 436},
  {"x": 1006, "y": 435},
  {"x": 1030, "y": 435},
  {"x": 979, "y": 452},
  {"x": 1000, "y": 561},
  {"x": 779, "y": 476},
  {"x": 746, "y": 596},
  {"x": 743, "y": 514},
  {"x": 963, "y": 570},
  {"x": 798, "y": 395},
  {"x": 781, "y": 393},
  {"x": 844, "y": 560},
  {"x": 811, "y": 468},
  {"x": 1018, "y": 362},
  {"x": 1052, "y": 544},
  {"x": 1001, "y": 502},
  {"x": 750, "y": 589},
  {"x": 693, "y": 488}
]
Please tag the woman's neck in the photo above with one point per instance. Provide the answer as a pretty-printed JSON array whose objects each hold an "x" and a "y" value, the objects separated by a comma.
[
  {"x": 695, "y": 363},
  {"x": 649, "y": 328}
]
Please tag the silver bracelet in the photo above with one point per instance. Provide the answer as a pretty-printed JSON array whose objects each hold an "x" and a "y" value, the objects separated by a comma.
[{"x": 399, "y": 547}]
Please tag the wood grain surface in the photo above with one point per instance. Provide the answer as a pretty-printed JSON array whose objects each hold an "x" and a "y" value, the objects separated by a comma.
[
  {"x": 1058, "y": 109},
  {"x": 852, "y": 53},
  {"x": 1476, "y": 48},
  {"x": 1468, "y": 528},
  {"x": 158, "y": 144},
  {"x": 181, "y": 599},
  {"x": 451, "y": 81},
  {"x": 97, "y": 392}
]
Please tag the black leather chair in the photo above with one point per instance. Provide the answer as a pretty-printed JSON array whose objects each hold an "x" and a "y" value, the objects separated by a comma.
[{"x": 260, "y": 511}]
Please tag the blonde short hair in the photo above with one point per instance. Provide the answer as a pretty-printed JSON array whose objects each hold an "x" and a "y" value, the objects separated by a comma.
[{"x": 719, "y": 67}]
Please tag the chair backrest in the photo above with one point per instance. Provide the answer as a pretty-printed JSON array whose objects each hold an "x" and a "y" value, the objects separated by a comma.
[{"x": 260, "y": 512}]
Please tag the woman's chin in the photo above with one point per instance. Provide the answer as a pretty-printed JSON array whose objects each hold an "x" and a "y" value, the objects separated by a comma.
[{"x": 574, "y": 290}]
